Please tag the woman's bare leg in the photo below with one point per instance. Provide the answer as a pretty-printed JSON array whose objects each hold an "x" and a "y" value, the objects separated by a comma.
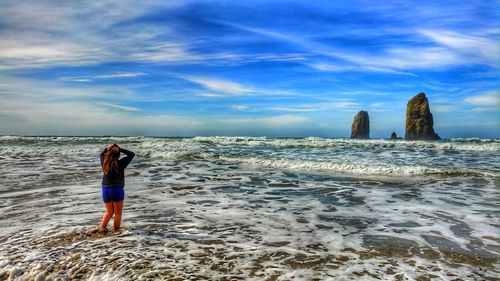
[
  {"x": 107, "y": 216},
  {"x": 118, "y": 207}
]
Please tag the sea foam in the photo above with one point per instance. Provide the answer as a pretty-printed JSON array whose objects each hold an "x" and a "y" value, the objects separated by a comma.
[{"x": 252, "y": 208}]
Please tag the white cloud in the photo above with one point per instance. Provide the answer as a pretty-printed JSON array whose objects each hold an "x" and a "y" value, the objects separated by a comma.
[
  {"x": 340, "y": 105},
  {"x": 219, "y": 85},
  {"x": 444, "y": 108},
  {"x": 380, "y": 107},
  {"x": 346, "y": 66},
  {"x": 284, "y": 121},
  {"x": 211, "y": 95},
  {"x": 485, "y": 109},
  {"x": 449, "y": 49},
  {"x": 273, "y": 122},
  {"x": 103, "y": 76},
  {"x": 22, "y": 52},
  {"x": 44, "y": 90},
  {"x": 42, "y": 107},
  {"x": 394, "y": 59},
  {"x": 121, "y": 107},
  {"x": 490, "y": 98},
  {"x": 377, "y": 104},
  {"x": 84, "y": 118},
  {"x": 472, "y": 48},
  {"x": 239, "y": 107},
  {"x": 119, "y": 75},
  {"x": 164, "y": 52},
  {"x": 55, "y": 36}
]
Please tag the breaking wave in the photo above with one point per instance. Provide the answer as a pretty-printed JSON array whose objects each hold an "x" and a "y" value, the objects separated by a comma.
[{"x": 359, "y": 168}]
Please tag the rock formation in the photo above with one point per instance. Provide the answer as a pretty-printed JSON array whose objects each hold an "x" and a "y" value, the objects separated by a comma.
[
  {"x": 419, "y": 120},
  {"x": 394, "y": 136},
  {"x": 361, "y": 126}
]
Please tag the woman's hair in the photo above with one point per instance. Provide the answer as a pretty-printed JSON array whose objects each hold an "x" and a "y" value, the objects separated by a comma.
[{"x": 110, "y": 162}]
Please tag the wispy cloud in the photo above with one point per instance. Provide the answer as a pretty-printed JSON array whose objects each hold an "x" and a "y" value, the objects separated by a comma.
[
  {"x": 380, "y": 107},
  {"x": 56, "y": 36},
  {"x": 165, "y": 52},
  {"x": 244, "y": 61},
  {"x": 345, "y": 67},
  {"x": 121, "y": 107},
  {"x": 445, "y": 49},
  {"x": 473, "y": 49},
  {"x": 41, "y": 117},
  {"x": 53, "y": 91},
  {"x": 445, "y": 108},
  {"x": 341, "y": 105},
  {"x": 239, "y": 107},
  {"x": 394, "y": 59},
  {"x": 283, "y": 121},
  {"x": 488, "y": 99},
  {"x": 103, "y": 76},
  {"x": 279, "y": 121},
  {"x": 218, "y": 88},
  {"x": 219, "y": 85}
]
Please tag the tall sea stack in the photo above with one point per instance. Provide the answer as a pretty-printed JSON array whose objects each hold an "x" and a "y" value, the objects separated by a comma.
[
  {"x": 361, "y": 126},
  {"x": 419, "y": 120}
]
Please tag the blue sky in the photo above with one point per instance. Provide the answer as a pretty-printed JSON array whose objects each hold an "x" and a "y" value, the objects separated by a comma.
[{"x": 276, "y": 68}]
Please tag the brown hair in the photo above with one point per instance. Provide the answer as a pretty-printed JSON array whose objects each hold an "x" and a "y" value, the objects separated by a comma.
[{"x": 110, "y": 162}]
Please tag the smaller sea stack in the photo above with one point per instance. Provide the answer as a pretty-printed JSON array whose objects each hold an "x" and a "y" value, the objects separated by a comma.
[
  {"x": 419, "y": 122},
  {"x": 361, "y": 126},
  {"x": 394, "y": 136}
]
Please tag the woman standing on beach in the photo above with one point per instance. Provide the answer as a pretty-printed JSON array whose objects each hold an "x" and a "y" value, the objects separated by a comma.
[{"x": 113, "y": 183}]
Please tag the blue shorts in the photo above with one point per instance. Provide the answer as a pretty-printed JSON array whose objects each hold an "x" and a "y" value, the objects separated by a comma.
[{"x": 112, "y": 194}]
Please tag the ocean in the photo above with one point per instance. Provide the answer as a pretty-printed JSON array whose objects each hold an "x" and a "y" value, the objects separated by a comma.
[{"x": 253, "y": 208}]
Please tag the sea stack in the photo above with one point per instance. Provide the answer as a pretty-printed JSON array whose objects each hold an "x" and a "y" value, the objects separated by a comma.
[
  {"x": 361, "y": 126},
  {"x": 419, "y": 120},
  {"x": 394, "y": 136}
]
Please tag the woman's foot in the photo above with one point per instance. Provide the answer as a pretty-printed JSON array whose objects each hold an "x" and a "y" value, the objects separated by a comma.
[{"x": 102, "y": 230}]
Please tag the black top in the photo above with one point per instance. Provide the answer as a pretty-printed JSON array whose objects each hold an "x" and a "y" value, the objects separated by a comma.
[{"x": 117, "y": 179}]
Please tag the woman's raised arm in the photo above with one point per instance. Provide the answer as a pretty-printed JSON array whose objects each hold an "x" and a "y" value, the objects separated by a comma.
[{"x": 126, "y": 160}]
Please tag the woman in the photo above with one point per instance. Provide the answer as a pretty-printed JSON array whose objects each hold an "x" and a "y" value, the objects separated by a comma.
[{"x": 113, "y": 182}]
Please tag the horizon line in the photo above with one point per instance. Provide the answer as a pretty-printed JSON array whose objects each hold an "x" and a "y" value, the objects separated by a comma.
[{"x": 243, "y": 136}]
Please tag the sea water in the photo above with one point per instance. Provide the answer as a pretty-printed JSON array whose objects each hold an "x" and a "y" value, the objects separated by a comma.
[{"x": 253, "y": 208}]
